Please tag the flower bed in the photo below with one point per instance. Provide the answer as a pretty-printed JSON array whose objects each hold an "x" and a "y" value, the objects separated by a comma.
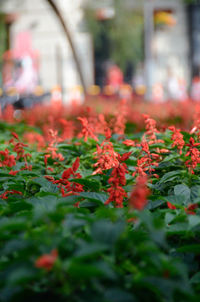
[{"x": 100, "y": 206}]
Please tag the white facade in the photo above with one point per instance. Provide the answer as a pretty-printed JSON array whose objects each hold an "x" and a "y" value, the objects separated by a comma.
[{"x": 57, "y": 66}]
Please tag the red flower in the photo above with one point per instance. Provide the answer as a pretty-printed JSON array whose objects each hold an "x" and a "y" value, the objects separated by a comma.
[
  {"x": 117, "y": 194},
  {"x": 106, "y": 157},
  {"x": 190, "y": 209},
  {"x": 87, "y": 130},
  {"x": 66, "y": 186},
  {"x": 171, "y": 206},
  {"x": 177, "y": 137},
  {"x": 47, "y": 261},
  {"x": 117, "y": 180},
  {"x": 194, "y": 155},
  {"x": 120, "y": 118},
  {"x": 129, "y": 142},
  {"x": 4, "y": 195},
  {"x": 6, "y": 159},
  {"x": 13, "y": 172},
  {"x": 138, "y": 198}
]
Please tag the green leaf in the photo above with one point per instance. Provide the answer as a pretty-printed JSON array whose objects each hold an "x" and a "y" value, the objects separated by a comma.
[
  {"x": 194, "y": 220},
  {"x": 154, "y": 204},
  {"x": 81, "y": 271},
  {"x": 107, "y": 232},
  {"x": 45, "y": 185},
  {"x": 183, "y": 191},
  {"x": 169, "y": 217},
  {"x": 195, "y": 192},
  {"x": 102, "y": 197},
  {"x": 118, "y": 295},
  {"x": 170, "y": 176},
  {"x": 89, "y": 249},
  {"x": 91, "y": 184},
  {"x": 195, "y": 278},
  {"x": 192, "y": 248}
]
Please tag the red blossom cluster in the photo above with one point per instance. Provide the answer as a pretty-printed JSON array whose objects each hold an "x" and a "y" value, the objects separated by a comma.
[
  {"x": 138, "y": 198},
  {"x": 129, "y": 143},
  {"x": 47, "y": 261},
  {"x": 8, "y": 192},
  {"x": 7, "y": 160},
  {"x": 177, "y": 138},
  {"x": 52, "y": 148},
  {"x": 194, "y": 155},
  {"x": 66, "y": 186},
  {"x": 150, "y": 134},
  {"x": 67, "y": 129},
  {"x": 106, "y": 157},
  {"x": 87, "y": 129},
  {"x": 151, "y": 130},
  {"x": 35, "y": 138},
  {"x": 119, "y": 121},
  {"x": 102, "y": 126},
  {"x": 147, "y": 162},
  {"x": 18, "y": 147},
  {"x": 190, "y": 209},
  {"x": 118, "y": 180}
]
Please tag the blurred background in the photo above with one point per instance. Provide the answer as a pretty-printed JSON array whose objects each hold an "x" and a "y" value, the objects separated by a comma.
[{"x": 147, "y": 48}]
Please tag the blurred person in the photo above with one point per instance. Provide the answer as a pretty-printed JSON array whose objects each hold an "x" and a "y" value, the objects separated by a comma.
[
  {"x": 157, "y": 92},
  {"x": 176, "y": 88},
  {"x": 195, "y": 89},
  {"x": 138, "y": 81},
  {"x": 27, "y": 79},
  {"x": 115, "y": 77}
]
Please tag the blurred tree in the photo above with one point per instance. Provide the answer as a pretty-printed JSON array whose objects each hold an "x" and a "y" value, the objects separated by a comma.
[
  {"x": 124, "y": 32},
  {"x": 63, "y": 23}
]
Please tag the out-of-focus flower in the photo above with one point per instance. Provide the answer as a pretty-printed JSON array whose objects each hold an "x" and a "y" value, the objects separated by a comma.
[
  {"x": 138, "y": 198},
  {"x": 47, "y": 261}
]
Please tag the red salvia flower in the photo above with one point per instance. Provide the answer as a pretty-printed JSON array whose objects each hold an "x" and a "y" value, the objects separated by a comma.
[
  {"x": 129, "y": 142},
  {"x": 67, "y": 129},
  {"x": 106, "y": 157},
  {"x": 52, "y": 147},
  {"x": 138, "y": 198},
  {"x": 119, "y": 121},
  {"x": 116, "y": 195},
  {"x": 177, "y": 138},
  {"x": 66, "y": 186},
  {"x": 171, "y": 206},
  {"x": 13, "y": 172},
  {"x": 7, "y": 160},
  {"x": 35, "y": 138},
  {"x": 194, "y": 155},
  {"x": 147, "y": 162},
  {"x": 87, "y": 130},
  {"x": 151, "y": 130},
  {"x": 190, "y": 209},
  {"x": 47, "y": 261},
  {"x": 4, "y": 195},
  {"x": 117, "y": 180}
]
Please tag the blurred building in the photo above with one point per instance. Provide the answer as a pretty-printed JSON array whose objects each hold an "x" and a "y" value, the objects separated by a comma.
[
  {"x": 171, "y": 42},
  {"x": 56, "y": 63},
  {"x": 169, "y": 51},
  {"x": 167, "y": 48}
]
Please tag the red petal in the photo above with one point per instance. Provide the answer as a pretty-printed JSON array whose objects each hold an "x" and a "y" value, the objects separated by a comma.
[
  {"x": 15, "y": 135},
  {"x": 75, "y": 165},
  {"x": 125, "y": 156},
  {"x": 66, "y": 174},
  {"x": 171, "y": 206}
]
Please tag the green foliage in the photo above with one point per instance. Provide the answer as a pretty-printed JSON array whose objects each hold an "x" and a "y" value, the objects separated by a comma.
[{"x": 104, "y": 254}]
